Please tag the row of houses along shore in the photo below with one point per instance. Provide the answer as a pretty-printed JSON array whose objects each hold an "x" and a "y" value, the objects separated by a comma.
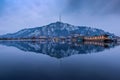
[
  {"x": 79, "y": 38},
  {"x": 73, "y": 38}
]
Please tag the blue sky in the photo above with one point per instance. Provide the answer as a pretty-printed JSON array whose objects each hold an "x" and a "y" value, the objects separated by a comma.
[{"x": 18, "y": 14}]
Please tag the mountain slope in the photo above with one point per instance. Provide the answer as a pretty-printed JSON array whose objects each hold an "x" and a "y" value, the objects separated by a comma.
[{"x": 56, "y": 29}]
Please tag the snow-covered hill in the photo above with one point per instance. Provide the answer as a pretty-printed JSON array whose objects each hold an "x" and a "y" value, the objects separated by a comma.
[{"x": 55, "y": 30}]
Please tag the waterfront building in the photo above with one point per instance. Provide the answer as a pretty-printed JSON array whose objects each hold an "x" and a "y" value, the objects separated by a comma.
[{"x": 97, "y": 38}]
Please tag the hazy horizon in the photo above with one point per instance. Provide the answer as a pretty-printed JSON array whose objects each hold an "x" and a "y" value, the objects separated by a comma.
[{"x": 18, "y": 14}]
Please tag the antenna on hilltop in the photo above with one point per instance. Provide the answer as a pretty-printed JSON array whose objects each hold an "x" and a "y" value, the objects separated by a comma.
[{"x": 60, "y": 18}]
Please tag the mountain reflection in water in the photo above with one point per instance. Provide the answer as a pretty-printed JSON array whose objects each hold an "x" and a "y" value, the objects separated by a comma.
[{"x": 59, "y": 50}]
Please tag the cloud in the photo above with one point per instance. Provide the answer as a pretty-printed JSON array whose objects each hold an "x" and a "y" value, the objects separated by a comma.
[
  {"x": 2, "y": 5},
  {"x": 32, "y": 6},
  {"x": 20, "y": 14},
  {"x": 97, "y": 7}
]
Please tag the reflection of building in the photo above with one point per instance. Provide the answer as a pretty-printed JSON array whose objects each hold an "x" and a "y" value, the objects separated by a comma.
[
  {"x": 59, "y": 50},
  {"x": 96, "y": 43}
]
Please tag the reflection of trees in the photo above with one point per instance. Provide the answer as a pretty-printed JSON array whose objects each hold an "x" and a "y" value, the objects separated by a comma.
[{"x": 59, "y": 50}]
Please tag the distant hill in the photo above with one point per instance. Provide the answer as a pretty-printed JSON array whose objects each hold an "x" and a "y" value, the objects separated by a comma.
[{"x": 56, "y": 29}]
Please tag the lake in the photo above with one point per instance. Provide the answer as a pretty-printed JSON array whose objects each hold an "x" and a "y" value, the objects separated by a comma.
[{"x": 33, "y": 60}]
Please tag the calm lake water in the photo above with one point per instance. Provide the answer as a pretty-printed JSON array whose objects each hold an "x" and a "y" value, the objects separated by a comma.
[{"x": 59, "y": 61}]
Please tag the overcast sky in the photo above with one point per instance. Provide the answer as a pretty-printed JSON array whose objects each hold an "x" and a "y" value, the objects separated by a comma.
[{"x": 19, "y": 14}]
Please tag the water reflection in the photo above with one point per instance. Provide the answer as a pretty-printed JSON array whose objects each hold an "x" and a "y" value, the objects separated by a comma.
[{"x": 60, "y": 49}]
